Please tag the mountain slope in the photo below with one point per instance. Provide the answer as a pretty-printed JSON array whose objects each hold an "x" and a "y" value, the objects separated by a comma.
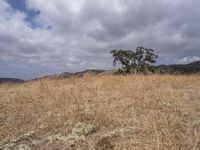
[
  {"x": 190, "y": 68},
  {"x": 11, "y": 80},
  {"x": 81, "y": 73}
]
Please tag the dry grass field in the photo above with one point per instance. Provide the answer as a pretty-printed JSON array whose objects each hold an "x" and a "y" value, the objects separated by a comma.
[{"x": 135, "y": 112}]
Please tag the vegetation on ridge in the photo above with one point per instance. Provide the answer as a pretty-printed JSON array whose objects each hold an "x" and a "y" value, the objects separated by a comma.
[{"x": 140, "y": 61}]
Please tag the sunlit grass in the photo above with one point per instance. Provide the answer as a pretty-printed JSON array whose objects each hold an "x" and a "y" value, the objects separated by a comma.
[{"x": 163, "y": 108}]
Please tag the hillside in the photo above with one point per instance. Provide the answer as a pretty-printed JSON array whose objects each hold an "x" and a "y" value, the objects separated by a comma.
[
  {"x": 163, "y": 69},
  {"x": 10, "y": 80},
  {"x": 76, "y": 74},
  {"x": 81, "y": 73},
  {"x": 180, "y": 68},
  {"x": 102, "y": 113},
  {"x": 190, "y": 68}
]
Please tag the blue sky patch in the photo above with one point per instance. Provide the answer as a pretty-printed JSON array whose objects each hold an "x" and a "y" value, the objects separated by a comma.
[{"x": 31, "y": 14}]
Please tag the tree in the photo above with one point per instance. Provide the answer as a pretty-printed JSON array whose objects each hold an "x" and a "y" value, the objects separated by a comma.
[{"x": 140, "y": 61}]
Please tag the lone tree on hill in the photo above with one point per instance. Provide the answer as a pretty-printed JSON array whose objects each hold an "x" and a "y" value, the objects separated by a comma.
[{"x": 140, "y": 61}]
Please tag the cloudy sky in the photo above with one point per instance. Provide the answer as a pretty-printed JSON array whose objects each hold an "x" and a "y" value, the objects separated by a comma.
[{"x": 40, "y": 37}]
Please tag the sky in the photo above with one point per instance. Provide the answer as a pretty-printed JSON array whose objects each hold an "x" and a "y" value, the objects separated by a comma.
[{"x": 41, "y": 37}]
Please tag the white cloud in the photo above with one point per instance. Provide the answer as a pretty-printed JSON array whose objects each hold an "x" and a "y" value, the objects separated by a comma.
[
  {"x": 188, "y": 59},
  {"x": 84, "y": 31}
]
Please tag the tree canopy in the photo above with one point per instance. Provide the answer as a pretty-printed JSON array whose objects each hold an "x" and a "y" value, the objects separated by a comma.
[{"x": 140, "y": 61}]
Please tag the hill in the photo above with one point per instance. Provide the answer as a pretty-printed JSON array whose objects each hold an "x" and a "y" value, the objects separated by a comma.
[
  {"x": 102, "y": 112},
  {"x": 190, "y": 68},
  {"x": 76, "y": 74},
  {"x": 82, "y": 73},
  {"x": 11, "y": 80}
]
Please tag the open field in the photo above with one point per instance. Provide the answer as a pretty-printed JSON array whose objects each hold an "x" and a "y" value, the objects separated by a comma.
[{"x": 102, "y": 112}]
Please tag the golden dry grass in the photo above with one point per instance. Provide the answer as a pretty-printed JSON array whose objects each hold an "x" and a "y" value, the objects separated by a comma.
[{"x": 164, "y": 109}]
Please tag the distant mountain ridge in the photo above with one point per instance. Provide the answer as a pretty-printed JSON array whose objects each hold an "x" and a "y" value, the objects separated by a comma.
[
  {"x": 81, "y": 73},
  {"x": 191, "y": 68},
  {"x": 77, "y": 74},
  {"x": 11, "y": 80}
]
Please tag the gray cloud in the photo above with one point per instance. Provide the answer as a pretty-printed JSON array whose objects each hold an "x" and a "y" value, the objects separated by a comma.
[{"x": 78, "y": 34}]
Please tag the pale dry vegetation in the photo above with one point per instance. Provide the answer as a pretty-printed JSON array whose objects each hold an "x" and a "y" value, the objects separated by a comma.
[{"x": 102, "y": 112}]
